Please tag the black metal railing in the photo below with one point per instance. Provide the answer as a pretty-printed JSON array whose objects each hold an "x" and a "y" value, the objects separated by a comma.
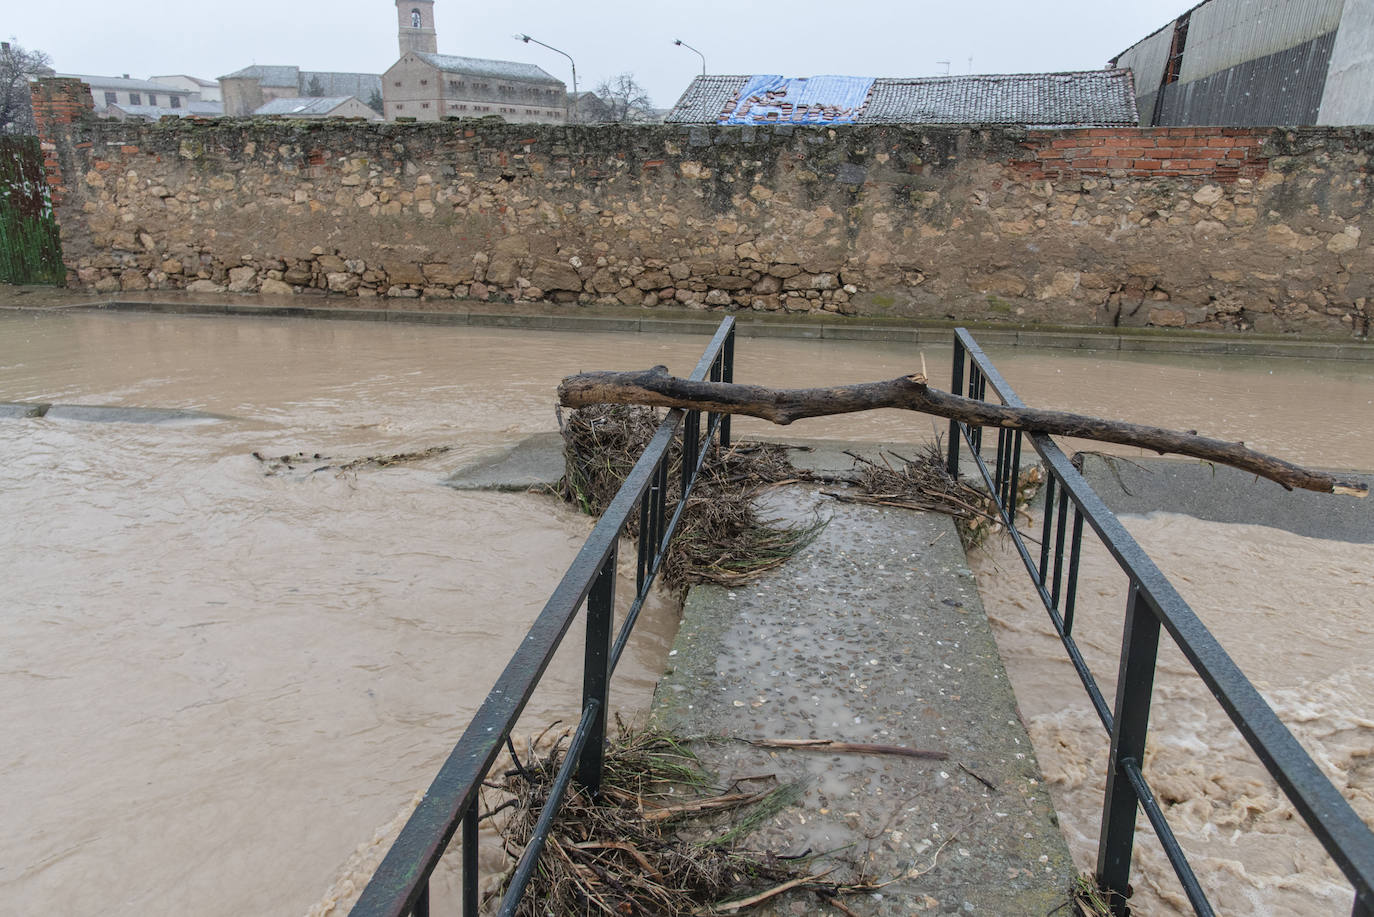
[
  {"x": 400, "y": 886},
  {"x": 1152, "y": 601}
]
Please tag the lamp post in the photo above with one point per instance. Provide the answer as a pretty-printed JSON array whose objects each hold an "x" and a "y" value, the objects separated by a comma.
[
  {"x": 526, "y": 39},
  {"x": 682, "y": 44}
]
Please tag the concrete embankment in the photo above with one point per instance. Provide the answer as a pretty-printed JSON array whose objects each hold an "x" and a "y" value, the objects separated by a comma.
[{"x": 604, "y": 318}]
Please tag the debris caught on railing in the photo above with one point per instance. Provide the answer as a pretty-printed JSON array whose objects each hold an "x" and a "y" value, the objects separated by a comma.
[
  {"x": 913, "y": 393},
  {"x": 721, "y": 539},
  {"x": 653, "y": 842}
]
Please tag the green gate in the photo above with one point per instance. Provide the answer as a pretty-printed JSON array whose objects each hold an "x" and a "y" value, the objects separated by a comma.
[{"x": 30, "y": 249}]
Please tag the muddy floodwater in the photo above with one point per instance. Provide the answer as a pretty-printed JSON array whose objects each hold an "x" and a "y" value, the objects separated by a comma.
[{"x": 220, "y": 683}]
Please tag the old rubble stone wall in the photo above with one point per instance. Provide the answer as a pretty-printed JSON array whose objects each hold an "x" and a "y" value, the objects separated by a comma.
[{"x": 1196, "y": 227}]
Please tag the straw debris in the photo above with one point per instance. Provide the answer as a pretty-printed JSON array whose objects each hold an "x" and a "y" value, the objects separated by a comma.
[
  {"x": 629, "y": 852},
  {"x": 924, "y": 483},
  {"x": 721, "y": 538}
]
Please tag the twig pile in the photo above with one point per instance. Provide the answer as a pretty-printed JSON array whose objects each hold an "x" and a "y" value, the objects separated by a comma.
[
  {"x": 924, "y": 483},
  {"x": 281, "y": 464},
  {"x": 721, "y": 538},
  {"x": 624, "y": 853}
]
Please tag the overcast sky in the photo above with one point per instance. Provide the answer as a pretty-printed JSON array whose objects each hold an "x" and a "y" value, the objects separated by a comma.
[{"x": 797, "y": 38}]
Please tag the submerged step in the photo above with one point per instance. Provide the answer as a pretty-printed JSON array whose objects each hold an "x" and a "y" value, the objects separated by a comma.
[{"x": 92, "y": 413}]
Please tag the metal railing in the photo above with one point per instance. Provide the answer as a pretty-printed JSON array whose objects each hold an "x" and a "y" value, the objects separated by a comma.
[
  {"x": 1152, "y": 602},
  {"x": 400, "y": 886}
]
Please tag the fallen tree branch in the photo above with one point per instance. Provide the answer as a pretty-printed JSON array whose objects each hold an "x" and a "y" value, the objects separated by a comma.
[
  {"x": 782, "y": 406},
  {"x": 854, "y": 748}
]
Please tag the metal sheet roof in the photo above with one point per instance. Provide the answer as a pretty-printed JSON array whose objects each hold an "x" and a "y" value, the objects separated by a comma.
[
  {"x": 1085, "y": 97},
  {"x": 119, "y": 82},
  {"x": 496, "y": 69},
  {"x": 302, "y": 107}
]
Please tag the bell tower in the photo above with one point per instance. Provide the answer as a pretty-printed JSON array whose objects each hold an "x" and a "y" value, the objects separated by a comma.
[{"x": 415, "y": 19}]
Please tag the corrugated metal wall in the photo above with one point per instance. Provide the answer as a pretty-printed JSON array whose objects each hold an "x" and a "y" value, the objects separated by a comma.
[
  {"x": 1146, "y": 61},
  {"x": 1277, "y": 89},
  {"x": 1245, "y": 63},
  {"x": 1224, "y": 33}
]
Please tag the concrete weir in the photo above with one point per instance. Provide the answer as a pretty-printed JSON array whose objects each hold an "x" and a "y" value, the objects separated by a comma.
[{"x": 874, "y": 634}]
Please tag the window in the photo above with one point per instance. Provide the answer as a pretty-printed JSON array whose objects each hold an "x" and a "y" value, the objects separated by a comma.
[
  {"x": 135, "y": 99},
  {"x": 424, "y": 82},
  {"x": 397, "y": 84},
  {"x": 415, "y": 19},
  {"x": 175, "y": 100},
  {"x": 424, "y": 105},
  {"x": 152, "y": 98},
  {"x": 399, "y": 106},
  {"x": 111, "y": 98}
]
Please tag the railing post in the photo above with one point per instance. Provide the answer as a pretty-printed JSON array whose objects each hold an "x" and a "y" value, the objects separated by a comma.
[
  {"x": 956, "y": 386},
  {"x": 727, "y": 374},
  {"x": 1135, "y": 682},
  {"x": 596, "y": 672},
  {"x": 470, "y": 860}
]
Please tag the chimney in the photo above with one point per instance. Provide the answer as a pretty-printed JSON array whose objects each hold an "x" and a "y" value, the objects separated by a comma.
[{"x": 126, "y": 76}]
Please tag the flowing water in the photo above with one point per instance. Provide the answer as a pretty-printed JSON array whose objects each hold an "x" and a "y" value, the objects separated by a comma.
[{"x": 222, "y": 684}]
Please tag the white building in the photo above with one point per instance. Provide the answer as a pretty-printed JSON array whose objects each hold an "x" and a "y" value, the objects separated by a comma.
[{"x": 123, "y": 91}]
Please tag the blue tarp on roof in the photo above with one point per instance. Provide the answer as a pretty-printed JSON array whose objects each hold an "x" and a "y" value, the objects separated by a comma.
[{"x": 769, "y": 99}]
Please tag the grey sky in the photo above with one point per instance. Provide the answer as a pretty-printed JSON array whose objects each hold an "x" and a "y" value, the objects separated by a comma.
[{"x": 800, "y": 38}]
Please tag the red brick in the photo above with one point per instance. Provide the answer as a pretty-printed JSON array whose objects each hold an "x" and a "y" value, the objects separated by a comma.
[
  {"x": 1150, "y": 164},
  {"x": 1119, "y": 163},
  {"x": 126, "y": 150}
]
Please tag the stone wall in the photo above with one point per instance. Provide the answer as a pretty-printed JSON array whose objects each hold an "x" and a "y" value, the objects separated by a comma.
[{"x": 1204, "y": 228}]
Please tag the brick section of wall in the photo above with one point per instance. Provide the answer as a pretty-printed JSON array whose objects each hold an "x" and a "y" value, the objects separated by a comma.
[
  {"x": 1207, "y": 153},
  {"x": 58, "y": 103}
]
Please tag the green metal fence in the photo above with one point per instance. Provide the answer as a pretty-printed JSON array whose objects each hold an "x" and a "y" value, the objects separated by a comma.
[{"x": 30, "y": 248}]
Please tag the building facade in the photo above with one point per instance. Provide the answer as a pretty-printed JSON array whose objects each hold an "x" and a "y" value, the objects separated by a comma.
[
  {"x": 204, "y": 90},
  {"x": 428, "y": 86},
  {"x": 123, "y": 91},
  {"x": 247, "y": 90},
  {"x": 1258, "y": 63}
]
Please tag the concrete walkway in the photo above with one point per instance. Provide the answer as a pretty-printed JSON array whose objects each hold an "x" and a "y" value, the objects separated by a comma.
[{"x": 875, "y": 634}]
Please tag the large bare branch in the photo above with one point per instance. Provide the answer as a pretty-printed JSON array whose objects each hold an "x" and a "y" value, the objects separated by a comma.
[{"x": 782, "y": 406}]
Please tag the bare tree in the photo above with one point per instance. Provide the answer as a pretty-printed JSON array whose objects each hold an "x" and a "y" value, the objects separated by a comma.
[
  {"x": 17, "y": 66},
  {"x": 622, "y": 100}
]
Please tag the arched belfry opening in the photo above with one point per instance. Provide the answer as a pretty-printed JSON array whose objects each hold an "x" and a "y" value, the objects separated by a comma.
[{"x": 415, "y": 20}]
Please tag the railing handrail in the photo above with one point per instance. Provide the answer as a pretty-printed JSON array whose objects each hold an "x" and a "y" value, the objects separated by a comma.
[
  {"x": 1346, "y": 838},
  {"x": 400, "y": 882}
]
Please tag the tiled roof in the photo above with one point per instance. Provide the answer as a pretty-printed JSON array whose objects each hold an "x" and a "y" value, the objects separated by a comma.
[
  {"x": 268, "y": 75},
  {"x": 303, "y": 107},
  {"x": 496, "y": 69},
  {"x": 361, "y": 85},
  {"x": 1040, "y": 99}
]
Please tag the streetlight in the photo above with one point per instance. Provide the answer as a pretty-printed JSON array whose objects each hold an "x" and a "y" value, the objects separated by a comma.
[
  {"x": 682, "y": 44},
  {"x": 526, "y": 39}
]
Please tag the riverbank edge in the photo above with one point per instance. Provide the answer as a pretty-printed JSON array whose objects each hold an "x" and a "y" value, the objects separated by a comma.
[{"x": 610, "y": 319}]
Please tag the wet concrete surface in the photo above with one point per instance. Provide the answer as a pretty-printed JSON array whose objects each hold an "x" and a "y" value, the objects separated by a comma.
[
  {"x": 91, "y": 413},
  {"x": 532, "y": 462},
  {"x": 1216, "y": 493},
  {"x": 874, "y": 634}
]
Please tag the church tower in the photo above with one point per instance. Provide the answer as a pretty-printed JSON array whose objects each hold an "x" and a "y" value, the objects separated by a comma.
[{"x": 416, "y": 21}]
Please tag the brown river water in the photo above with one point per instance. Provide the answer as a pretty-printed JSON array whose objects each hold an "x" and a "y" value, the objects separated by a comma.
[{"x": 221, "y": 685}]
